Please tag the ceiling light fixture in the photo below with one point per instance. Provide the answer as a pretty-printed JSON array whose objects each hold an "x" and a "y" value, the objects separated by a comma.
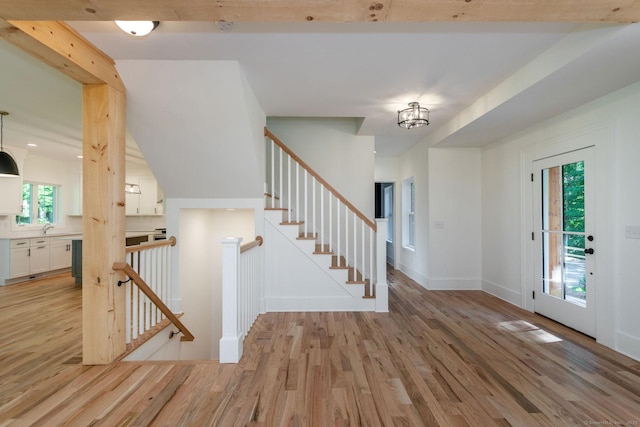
[
  {"x": 8, "y": 166},
  {"x": 413, "y": 117},
  {"x": 137, "y": 28}
]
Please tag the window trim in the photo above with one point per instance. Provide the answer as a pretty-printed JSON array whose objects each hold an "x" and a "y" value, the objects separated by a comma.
[{"x": 408, "y": 214}]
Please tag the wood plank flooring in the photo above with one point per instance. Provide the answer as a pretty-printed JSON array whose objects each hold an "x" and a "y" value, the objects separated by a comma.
[{"x": 439, "y": 358}]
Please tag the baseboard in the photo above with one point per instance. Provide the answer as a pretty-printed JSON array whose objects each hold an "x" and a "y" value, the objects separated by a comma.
[
  {"x": 284, "y": 304},
  {"x": 454, "y": 284},
  {"x": 506, "y": 294},
  {"x": 414, "y": 275},
  {"x": 628, "y": 345}
]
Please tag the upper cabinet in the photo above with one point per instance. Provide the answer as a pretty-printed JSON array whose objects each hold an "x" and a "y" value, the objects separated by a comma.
[
  {"x": 148, "y": 202},
  {"x": 10, "y": 195}
]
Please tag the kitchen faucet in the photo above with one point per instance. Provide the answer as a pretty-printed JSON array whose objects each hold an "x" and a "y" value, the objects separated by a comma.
[{"x": 46, "y": 227}]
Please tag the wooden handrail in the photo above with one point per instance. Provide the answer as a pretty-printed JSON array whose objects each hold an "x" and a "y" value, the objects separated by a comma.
[
  {"x": 142, "y": 285},
  {"x": 171, "y": 241},
  {"x": 335, "y": 192},
  {"x": 257, "y": 242}
]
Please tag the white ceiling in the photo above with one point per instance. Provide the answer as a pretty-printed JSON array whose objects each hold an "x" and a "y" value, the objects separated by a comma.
[{"x": 481, "y": 81}]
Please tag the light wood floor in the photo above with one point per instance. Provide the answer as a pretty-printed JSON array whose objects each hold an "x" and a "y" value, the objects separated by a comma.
[{"x": 439, "y": 358}]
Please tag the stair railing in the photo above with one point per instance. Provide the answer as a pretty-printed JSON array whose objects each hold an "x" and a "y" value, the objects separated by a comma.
[
  {"x": 148, "y": 288},
  {"x": 325, "y": 215},
  {"x": 242, "y": 294}
]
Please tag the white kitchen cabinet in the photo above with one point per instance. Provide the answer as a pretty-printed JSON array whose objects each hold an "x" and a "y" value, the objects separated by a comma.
[
  {"x": 59, "y": 254},
  {"x": 145, "y": 203},
  {"x": 29, "y": 256},
  {"x": 38, "y": 255},
  {"x": 148, "y": 196},
  {"x": 19, "y": 254},
  {"x": 10, "y": 195}
]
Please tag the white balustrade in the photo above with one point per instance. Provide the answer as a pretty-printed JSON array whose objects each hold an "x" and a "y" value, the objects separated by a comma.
[
  {"x": 346, "y": 232},
  {"x": 153, "y": 265}
]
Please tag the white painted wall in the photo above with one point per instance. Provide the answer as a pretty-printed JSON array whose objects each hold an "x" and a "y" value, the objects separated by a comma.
[
  {"x": 331, "y": 147},
  {"x": 502, "y": 211},
  {"x": 202, "y": 132},
  {"x": 415, "y": 262},
  {"x": 454, "y": 219}
]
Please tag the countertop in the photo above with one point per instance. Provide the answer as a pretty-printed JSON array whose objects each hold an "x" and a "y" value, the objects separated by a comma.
[{"x": 74, "y": 236}]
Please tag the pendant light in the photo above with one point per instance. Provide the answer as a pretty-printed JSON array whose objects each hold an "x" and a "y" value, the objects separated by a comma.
[{"x": 8, "y": 166}]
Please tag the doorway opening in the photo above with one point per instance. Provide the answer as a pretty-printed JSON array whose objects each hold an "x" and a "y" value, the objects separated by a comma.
[{"x": 384, "y": 196}]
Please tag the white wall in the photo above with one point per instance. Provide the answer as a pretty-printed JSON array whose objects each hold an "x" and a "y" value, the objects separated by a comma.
[
  {"x": 502, "y": 201},
  {"x": 202, "y": 132},
  {"x": 332, "y": 149},
  {"x": 414, "y": 262},
  {"x": 454, "y": 219}
]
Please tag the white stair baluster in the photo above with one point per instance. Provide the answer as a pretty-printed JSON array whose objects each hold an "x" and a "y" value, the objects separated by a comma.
[
  {"x": 338, "y": 237},
  {"x": 306, "y": 197},
  {"x": 273, "y": 174},
  {"x": 280, "y": 167},
  {"x": 363, "y": 251},
  {"x": 297, "y": 192},
  {"x": 330, "y": 222},
  {"x": 289, "y": 201},
  {"x": 346, "y": 235},
  {"x": 321, "y": 217}
]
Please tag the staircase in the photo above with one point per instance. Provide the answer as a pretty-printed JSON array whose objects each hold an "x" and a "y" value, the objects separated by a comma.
[{"x": 323, "y": 253}]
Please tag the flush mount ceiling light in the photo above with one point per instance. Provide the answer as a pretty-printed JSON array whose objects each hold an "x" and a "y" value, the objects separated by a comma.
[
  {"x": 8, "y": 166},
  {"x": 413, "y": 117},
  {"x": 132, "y": 188},
  {"x": 137, "y": 28}
]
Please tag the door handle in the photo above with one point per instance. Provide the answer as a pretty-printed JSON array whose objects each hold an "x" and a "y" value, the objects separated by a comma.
[{"x": 589, "y": 251}]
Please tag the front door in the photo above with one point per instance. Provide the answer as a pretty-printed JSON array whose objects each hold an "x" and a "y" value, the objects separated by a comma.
[{"x": 564, "y": 240}]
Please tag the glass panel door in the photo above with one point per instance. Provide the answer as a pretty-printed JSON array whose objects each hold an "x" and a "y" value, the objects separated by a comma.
[{"x": 563, "y": 203}]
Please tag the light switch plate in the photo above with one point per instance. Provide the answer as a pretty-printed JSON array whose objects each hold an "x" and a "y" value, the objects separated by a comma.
[{"x": 632, "y": 232}]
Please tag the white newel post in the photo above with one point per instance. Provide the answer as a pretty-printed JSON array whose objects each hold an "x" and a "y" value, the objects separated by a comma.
[
  {"x": 382, "y": 289},
  {"x": 231, "y": 341}
]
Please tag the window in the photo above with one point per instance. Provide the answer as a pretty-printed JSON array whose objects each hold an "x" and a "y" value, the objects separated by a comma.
[
  {"x": 408, "y": 213},
  {"x": 39, "y": 204},
  {"x": 388, "y": 210}
]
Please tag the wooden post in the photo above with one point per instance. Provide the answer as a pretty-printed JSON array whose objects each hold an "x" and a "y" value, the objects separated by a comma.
[{"x": 103, "y": 224}]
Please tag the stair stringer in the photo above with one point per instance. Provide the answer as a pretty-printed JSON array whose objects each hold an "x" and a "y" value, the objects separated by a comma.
[{"x": 298, "y": 280}]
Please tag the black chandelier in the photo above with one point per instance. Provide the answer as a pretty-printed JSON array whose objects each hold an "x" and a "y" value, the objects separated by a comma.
[
  {"x": 413, "y": 117},
  {"x": 8, "y": 166}
]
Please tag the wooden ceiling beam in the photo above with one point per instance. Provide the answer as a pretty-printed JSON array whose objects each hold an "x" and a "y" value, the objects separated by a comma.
[
  {"x": 611, "y": 11},
  {"x": 61, "y": 47}
]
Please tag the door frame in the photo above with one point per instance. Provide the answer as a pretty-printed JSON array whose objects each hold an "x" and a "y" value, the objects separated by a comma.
[
  {"x": 392, "y": 249},
  {"x": 597, "y": 135}
]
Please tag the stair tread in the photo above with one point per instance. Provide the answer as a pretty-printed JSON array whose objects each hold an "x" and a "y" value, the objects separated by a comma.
[
  {"x": 322, "y": 253},
  {"x": 356, "y": 282},
  {"x": 339, "y": 267},
  {"x": 292, "y": 223},
  {"x": 276, "y": 209}
]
